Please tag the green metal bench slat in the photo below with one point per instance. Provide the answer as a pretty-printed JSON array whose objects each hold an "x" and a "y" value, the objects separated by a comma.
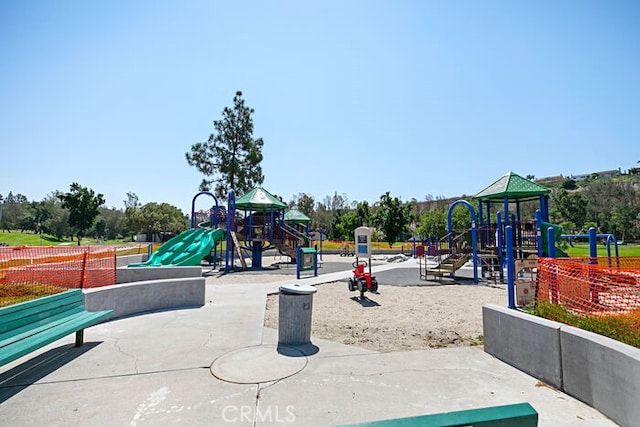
[
  {"x": 516, "y": 415},
  {"x": 70, "y": 295},
  {"x": 34, "y": 342},
  {"x": 12, "y": 317},
  {"x": 38, "y": 327}
]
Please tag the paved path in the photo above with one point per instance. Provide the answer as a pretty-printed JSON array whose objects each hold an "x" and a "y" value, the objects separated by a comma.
[{"x": 163, "y": 368}]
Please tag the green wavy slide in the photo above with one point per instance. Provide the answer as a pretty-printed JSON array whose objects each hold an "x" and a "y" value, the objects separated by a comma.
[{"x": 186, "y": 249}]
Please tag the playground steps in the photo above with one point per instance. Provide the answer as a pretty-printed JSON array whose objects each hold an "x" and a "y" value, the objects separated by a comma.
[
  {"x": 448, "y": 266},
  {"x": 287, "y": 250}
]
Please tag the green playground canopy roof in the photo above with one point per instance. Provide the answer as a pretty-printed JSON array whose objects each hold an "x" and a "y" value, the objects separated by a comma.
[
  {"x": 514, "y": 187},
  {"x": 294, "y": 215},
  {"x": 259, "y": 200}
]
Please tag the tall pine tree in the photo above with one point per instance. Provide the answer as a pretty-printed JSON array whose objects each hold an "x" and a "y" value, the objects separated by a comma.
[{"x": 231, "y": 156}]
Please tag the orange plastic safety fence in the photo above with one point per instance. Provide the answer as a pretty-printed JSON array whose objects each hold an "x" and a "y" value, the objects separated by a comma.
[
  {"x": 27, "y": 272},
  {"x": 600, "y": 286}
]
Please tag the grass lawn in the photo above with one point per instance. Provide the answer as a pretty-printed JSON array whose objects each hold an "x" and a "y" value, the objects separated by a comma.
[
  {"x": 28, "y": 238},
  {"x": 582, "y": 250}
]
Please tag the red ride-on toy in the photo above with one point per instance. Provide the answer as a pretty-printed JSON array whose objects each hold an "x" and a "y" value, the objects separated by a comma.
[{"x": 362, "y": 281}]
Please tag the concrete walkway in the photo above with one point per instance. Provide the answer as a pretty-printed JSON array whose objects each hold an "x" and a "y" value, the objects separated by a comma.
[{"x": 164, "y": 368}]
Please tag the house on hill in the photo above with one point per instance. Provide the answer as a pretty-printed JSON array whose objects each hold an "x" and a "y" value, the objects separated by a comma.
[{"x": 595, "y": 175}]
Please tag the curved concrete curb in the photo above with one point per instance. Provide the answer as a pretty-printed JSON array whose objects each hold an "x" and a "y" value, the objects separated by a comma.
[{"x": 139, "y": 297}]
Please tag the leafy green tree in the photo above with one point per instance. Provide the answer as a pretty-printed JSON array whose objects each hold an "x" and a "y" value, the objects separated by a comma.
[
  {"x": 100, "y": 228},
  {"x": 231, "y": 155},
  {"x": 363, "y": 212},
  {"x": 433, "y": 224},
  {"x": 305, "y": 204},
  {"x": 569, "y": 207},
  {"x": 328, "y": 215},
  {"x": 392, "y": 218},
  {"x": 132, "y": 216},
  {"x": 569, "y": 184},
  {"x": 345, "y": 228},
  {"x": 83, "y": 204},
  {"x": 14, "y": 208},
  {"x": 36, "y": 217},
  {"x": 587, "y": 225},
  {"x": 162, "y": 219},
  {"x": 568, "y": 227},
  {"x": 322, "y": 218},
  {"x": 349, "y": 221},
  {"x": 114, "y": 224}
]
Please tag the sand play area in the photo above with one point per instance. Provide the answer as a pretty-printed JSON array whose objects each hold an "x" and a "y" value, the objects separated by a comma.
[{"x": 399, "y": 318}]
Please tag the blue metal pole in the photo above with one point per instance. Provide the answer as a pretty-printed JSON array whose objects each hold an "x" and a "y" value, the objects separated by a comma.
[
  {"x": 474, "y": 246},
  {"x": 489, "y": 236},
  {"x": 593, "y": 259},
  {"x": 499, "y": 244},
  {"x": 611, "y": 237},
  {"x": 608, "y": 251},
  {"x": 539, "y": 232},
  {"x": 298, "y": 262},
  {"x": 320, "y": 243},
  {"x": 315, "y": 261},
  {"x": 519, "y": 229},
  {"x": 414, "y": 246},
  {"x": 511, "y": 284},
  {"x": 593, "y": 248},
  {"x": 231, "y": 216},
  {"x": 506, "y": 210},
  {"x": 480, "y": 214},
  {"x": 551, "y": 242}
]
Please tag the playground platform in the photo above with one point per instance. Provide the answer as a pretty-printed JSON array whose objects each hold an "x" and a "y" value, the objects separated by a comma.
[{"x": 218, "y": 365}]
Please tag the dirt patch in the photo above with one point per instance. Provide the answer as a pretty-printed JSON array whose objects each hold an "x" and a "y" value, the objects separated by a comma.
[{"x": 399, "y": 318}]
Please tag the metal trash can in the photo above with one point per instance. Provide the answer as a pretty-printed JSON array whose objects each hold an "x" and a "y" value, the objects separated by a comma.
[{"x": 294, "y": 314}]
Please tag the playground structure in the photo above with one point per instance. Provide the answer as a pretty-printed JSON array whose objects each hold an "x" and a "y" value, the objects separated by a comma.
[
  {"x": 265, "y": 224},
  {"x": 536, "y": 268},
  {"x": 485, "y": 243}
]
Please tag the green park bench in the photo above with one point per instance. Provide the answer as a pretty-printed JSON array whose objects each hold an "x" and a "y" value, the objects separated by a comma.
[
  {"x": 516, "y": 415},
  {"x": 27, "y": 326}
]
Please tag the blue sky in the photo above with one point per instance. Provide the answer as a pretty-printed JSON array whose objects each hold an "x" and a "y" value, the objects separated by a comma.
[{"x": 354, "y": 97}]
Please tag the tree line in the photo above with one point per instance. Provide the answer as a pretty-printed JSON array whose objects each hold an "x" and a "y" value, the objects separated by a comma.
[
  {"x": 80, "y": 213},
  {"x": 611, "y": 205}
]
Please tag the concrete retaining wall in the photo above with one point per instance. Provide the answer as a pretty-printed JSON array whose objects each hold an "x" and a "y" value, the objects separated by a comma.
[
  {"x": 139, "y": 297},
  {"x": 529, "y": 343},
  {"x": 138, "y": 274},
  {"x": 601, "y": 372},
  {"x": 123, "y": 261}
]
